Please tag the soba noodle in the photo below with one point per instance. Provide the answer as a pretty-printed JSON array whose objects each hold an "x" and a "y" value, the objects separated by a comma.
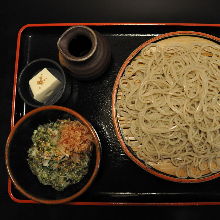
[{"x": 168, "y": 105}]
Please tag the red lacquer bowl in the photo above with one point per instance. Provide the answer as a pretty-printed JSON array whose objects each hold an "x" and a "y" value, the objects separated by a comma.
[{"x": 18, "y": 142}]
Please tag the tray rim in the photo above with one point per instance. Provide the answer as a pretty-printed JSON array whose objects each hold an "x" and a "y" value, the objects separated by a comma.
[{"x": 92, "y": 203}]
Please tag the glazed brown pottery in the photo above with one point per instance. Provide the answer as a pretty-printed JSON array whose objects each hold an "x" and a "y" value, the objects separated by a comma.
[{"x": 84, "y": 52}]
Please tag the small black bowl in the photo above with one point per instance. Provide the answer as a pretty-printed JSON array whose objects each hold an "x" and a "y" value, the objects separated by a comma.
[
  {"x": 18, "y": 143},
  {"x": 33, "y": 68}
]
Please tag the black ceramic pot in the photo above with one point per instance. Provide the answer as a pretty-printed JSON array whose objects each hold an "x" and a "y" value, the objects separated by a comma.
[{"x": 83, "y": 51}]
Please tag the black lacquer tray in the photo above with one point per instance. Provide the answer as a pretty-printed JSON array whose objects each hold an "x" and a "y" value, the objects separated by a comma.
[{"x": 120, "y": 181}]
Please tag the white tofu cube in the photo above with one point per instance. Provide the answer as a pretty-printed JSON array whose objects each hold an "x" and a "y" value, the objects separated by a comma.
[{"x": 43, "y": 85}]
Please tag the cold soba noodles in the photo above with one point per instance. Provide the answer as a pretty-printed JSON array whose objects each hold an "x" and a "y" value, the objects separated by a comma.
[{"x": 168, "y": 106}]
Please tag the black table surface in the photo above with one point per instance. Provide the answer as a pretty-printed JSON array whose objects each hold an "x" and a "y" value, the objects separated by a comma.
[{"x": 15, "y": 14}]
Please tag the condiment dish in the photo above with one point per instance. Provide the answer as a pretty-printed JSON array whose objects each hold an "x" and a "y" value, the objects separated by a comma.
[{"x": 32, "y": 69}]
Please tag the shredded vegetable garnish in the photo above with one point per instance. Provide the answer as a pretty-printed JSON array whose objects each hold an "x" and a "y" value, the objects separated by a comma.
[{"x": 60, "y": 153}]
